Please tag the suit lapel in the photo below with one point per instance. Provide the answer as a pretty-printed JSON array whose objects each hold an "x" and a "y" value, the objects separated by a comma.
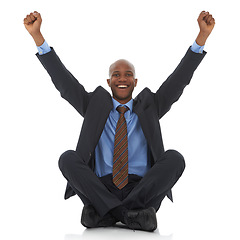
[
  {"x": 137, "y": 108},
  {"x": 106, "y": 108},
  {"x": 143, "y": 119}
]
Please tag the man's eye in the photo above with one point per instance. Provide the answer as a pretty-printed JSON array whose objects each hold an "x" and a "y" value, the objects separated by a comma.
[{"x": 116, "y": 75}]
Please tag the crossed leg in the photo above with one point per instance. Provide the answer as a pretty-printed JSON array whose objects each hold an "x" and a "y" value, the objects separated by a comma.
[{"x": 140, "y": 193}]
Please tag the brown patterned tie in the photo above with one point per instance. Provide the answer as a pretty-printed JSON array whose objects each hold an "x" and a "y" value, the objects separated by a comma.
[{"x": 120, "y": 155}]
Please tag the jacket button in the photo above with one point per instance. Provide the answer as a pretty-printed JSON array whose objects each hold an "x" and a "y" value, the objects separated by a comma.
[{"x": 90, "y": 154}]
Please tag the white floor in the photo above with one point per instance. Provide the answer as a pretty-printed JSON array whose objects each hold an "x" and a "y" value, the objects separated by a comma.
[{"x": 116, "y": 233}]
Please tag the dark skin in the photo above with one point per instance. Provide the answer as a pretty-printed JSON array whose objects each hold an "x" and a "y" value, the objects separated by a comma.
[{"x": 122, "y": 80}]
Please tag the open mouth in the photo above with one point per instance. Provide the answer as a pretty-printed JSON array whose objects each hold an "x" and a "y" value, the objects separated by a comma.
[{"x": 122, "y": 86}]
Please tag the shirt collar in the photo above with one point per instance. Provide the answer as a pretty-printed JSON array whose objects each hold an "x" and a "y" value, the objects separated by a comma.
[{"x": 129, "y": 104}]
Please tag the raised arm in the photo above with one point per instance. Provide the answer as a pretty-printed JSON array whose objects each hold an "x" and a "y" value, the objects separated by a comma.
[
  {"x": 68, "y": 86},
  {"x": 170, "y": 91}
]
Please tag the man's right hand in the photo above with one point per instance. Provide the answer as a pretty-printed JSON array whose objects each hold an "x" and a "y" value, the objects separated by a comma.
[{"x": 32, "y": 23}]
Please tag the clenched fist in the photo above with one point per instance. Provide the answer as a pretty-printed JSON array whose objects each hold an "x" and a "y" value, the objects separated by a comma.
[
  {"x": 32, "y": 23},
  {"x": 206, "y": 24}
]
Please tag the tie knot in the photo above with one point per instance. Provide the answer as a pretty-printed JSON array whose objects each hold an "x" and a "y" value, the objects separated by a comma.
[{"x": 122, "y": 110}]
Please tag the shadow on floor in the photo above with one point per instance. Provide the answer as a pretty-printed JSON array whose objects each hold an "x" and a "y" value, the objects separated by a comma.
[{"x": 117, "y": 232}]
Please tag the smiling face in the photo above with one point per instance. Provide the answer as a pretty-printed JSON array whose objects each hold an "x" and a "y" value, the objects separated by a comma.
[{"x": 122, "y": 80}]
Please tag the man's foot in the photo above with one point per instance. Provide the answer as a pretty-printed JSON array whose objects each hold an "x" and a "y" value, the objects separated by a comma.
[
  {"x": 91, "y": 219},
  {"x": 144, "y": 219}
]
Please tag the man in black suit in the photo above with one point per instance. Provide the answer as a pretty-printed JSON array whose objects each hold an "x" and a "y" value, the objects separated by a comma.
[{"x": 120, "y": 169}]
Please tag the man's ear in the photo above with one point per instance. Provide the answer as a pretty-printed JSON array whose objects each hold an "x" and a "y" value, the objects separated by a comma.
[
  {"x": 108, "y": 81},
  {"x": 135, "y": 82}
]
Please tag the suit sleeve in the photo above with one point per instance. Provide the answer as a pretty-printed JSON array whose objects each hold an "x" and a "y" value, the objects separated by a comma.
[
  {"x": 68, "y": 86},
  {"x": 170, "y": 91}
]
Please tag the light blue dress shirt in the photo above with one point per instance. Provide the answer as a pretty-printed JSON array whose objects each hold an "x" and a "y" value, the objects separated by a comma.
[
  {"x": 138, "y": 160},
  {"x": 137, "y": 144}
]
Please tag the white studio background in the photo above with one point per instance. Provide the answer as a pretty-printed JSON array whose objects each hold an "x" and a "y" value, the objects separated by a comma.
[{"x": 37, "y": 125}]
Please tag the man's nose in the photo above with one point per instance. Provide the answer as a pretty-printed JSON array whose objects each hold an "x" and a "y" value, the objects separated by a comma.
[{"x": 122, "y": 78}]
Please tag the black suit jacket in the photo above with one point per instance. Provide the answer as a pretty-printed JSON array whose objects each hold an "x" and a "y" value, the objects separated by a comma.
[{"x": 148, "y": 106}]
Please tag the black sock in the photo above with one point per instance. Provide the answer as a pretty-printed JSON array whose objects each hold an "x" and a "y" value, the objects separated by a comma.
[{"x": 119, "y": 212}]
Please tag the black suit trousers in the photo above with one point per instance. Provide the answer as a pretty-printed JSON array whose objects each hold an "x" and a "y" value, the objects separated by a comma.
[{"x": 139, "y": 193}]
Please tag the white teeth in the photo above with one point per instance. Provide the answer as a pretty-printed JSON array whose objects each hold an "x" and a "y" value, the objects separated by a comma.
[{"x": 122, "y": 86}]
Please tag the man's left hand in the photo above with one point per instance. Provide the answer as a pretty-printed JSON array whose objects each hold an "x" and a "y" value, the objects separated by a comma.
[{"x": 206, "y": 24}]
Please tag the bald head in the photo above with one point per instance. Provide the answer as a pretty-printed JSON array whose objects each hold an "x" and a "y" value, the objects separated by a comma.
[
  {"x": 114, "y": 66},
  {"x": 122, "y": 80}
]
